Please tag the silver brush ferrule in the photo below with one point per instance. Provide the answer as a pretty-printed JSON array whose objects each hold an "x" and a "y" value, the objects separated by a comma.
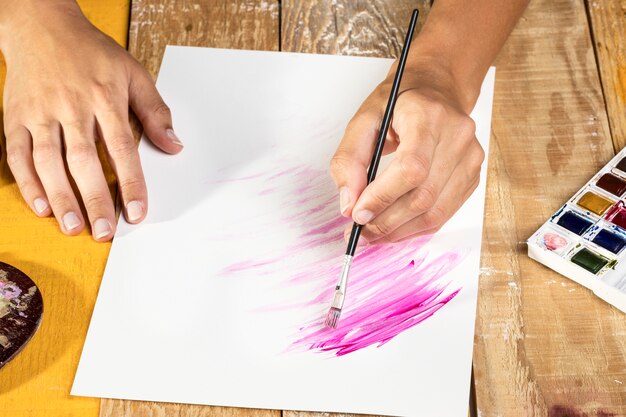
[{"x": 340, "y": 289}]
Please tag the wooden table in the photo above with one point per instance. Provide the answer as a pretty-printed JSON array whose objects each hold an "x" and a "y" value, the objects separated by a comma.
[{"x": 544, "y": 346}]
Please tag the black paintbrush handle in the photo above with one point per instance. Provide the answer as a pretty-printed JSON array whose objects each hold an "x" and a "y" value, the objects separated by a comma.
[{"x": 384, "y": 128}]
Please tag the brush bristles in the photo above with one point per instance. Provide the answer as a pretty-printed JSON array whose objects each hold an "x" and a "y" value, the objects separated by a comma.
[{"x": 332, "y": 317}]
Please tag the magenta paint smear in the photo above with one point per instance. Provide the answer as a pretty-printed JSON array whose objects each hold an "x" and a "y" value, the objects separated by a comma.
[{"x": 391, "y": 289}]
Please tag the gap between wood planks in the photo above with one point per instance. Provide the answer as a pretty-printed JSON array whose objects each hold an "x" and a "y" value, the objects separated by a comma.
[{"x": 602, "y": 83}]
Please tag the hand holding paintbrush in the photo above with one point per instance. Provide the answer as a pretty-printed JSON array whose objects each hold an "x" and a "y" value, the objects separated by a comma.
[{"x": 340, "y": 290}]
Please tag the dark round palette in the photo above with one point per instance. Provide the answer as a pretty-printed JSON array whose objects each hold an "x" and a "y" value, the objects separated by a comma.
[{"x": 21, "y": 309}]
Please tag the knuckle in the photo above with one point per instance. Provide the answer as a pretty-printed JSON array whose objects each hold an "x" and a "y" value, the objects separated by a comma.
[
  {"x": 435, "y": 218},
  {"x": 44, "y": 152},
  {"x": 82, "y": 154},
  {"x": 339, "y": 162},
  {"x": 379, "y": 228},
  {"x": 42, "y": 126},
  {"x": 413, "y": 169},
  {"x": 382, "y": 199},
  {"x": 466, "y": 128},
  {"x": 26, "y": 186},
  {"x": 59, "y": 199},
  {"x": 75, "y": 121},
  {"x": 96, "y": 201},
  {"x": 364, "y": 119},
  {"x": 67, "y": 95},
  {"x": 121, "y": 147},
  {"x": 480, "y": 156},
  {"x": 16, "y": 155},
  {"x": 425, "y": 198},
  {"x": 162, "y": 110},
  {"x": 105, "y": 94},
  {"x": 131, "y": 184}
]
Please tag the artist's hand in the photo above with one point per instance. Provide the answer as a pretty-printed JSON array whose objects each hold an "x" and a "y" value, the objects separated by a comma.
[
  {"x": 435, "y": 168},
  {"x": 69, "y": 85}
]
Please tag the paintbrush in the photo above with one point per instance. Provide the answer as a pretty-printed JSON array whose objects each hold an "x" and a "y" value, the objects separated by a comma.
[{"x": 340, "y": 289}]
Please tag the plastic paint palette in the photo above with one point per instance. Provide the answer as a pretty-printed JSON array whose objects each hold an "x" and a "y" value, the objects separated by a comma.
[{"x": 586, "y": 239}]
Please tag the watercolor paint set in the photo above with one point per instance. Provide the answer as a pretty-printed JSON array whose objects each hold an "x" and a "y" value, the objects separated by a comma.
[{"x": 586, "y": 239}]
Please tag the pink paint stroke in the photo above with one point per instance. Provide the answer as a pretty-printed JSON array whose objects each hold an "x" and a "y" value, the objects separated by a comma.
[{"x": 392, "y": 288}]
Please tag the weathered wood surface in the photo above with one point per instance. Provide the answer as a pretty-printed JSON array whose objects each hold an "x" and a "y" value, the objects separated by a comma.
[
  {"x": 347, "y": 27},
  {"x": 608, "y": 23},
  {"x": 544, "y": 346},
  {"x": 237, "y": 24}
]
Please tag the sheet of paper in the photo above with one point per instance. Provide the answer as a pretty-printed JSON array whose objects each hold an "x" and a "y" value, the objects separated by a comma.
[{"x": 218, "y": 297}]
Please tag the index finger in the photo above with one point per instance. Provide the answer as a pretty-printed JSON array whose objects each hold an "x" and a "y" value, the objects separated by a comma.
[
  {"x": 348, "y": 166},
  {"x": 406, "y": 172}
]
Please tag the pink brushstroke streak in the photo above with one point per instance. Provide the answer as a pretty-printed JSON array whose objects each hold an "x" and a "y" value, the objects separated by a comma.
[
  {"x": 392, "y": 288},
  {"x": 384, "y": 299}
]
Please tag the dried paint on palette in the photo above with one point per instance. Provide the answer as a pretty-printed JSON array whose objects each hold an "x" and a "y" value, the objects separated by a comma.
[
  {"x": 21, "y": 308},
  {"x": 585, "y": 239},
  {"x": 392, "y": 287}
]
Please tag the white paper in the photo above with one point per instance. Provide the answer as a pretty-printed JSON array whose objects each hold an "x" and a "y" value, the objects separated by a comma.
[{"x": 205, "y": 301}]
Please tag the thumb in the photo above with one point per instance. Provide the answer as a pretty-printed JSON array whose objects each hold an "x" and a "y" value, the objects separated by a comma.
[
  {"x": 152, "y": 112},
  {"x": 348, "y": 166}
]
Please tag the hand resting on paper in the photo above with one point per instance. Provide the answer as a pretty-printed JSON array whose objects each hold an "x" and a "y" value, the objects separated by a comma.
[
  {"x": 68, "y": 85},
  {"x": 436, "y": 156}
]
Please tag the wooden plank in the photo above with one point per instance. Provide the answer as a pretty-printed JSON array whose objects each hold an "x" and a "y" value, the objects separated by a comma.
[
  {"x": 362, "y": 27},
  {"x": 346, "y": 27},
  {"x": 544, "y": 345},
  {"x": 608, "y": 19},
  {"x": 68, "y": 271},
  {"x": 239, "y": 24},
  {"x": 117, "y": 408}
]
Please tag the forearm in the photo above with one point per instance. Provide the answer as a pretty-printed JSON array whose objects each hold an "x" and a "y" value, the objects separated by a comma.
[
  {"x": 24, "y": 16},
  {"x": 463, "y": 38}
]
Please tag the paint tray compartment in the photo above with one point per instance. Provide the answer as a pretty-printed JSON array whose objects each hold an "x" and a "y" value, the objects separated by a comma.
[{"x": 585, "y": 240}]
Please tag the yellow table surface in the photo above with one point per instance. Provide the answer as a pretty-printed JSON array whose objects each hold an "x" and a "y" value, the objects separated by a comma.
[{"x": 68, "y": 272}]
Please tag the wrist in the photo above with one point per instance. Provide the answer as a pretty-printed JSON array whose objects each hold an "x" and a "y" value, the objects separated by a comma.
[
  {"x": 427, "y": 63},
  {"x": 21, "y": 18},
  {"x": 428, "y": 71}
]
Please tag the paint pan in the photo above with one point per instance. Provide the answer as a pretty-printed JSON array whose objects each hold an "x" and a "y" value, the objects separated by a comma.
[
  {"x": 594, "y": 203},
  {"x": 612, "y": 184},
  {"x": 573, "y": 221},
  {"x": 589, "y": 260}
]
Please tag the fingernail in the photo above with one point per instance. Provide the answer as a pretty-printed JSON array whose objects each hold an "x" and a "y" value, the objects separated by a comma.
[
  {"x": 174, "y": 138},
  {"x": 134, "y": 210},
  {"x": 71, "y": 221},
  {"x": 362, "y": 242},
  {"x": 364, "y": 216},
  {"x": 101, "y": 228},
  {"x": 40, "y": 205},
  {"x": 344, "y": 199}
]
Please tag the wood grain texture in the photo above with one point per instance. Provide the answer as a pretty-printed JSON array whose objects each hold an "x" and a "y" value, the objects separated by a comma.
[
  {"x": 117, "y": 408},
  {"x": 608, "y": 22},
  {"x": 238, "y": 24},
  {"x": 544, "y": 346},
  {"x": 348, "y": 27},
  {"x": 68, "y": 272}
]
